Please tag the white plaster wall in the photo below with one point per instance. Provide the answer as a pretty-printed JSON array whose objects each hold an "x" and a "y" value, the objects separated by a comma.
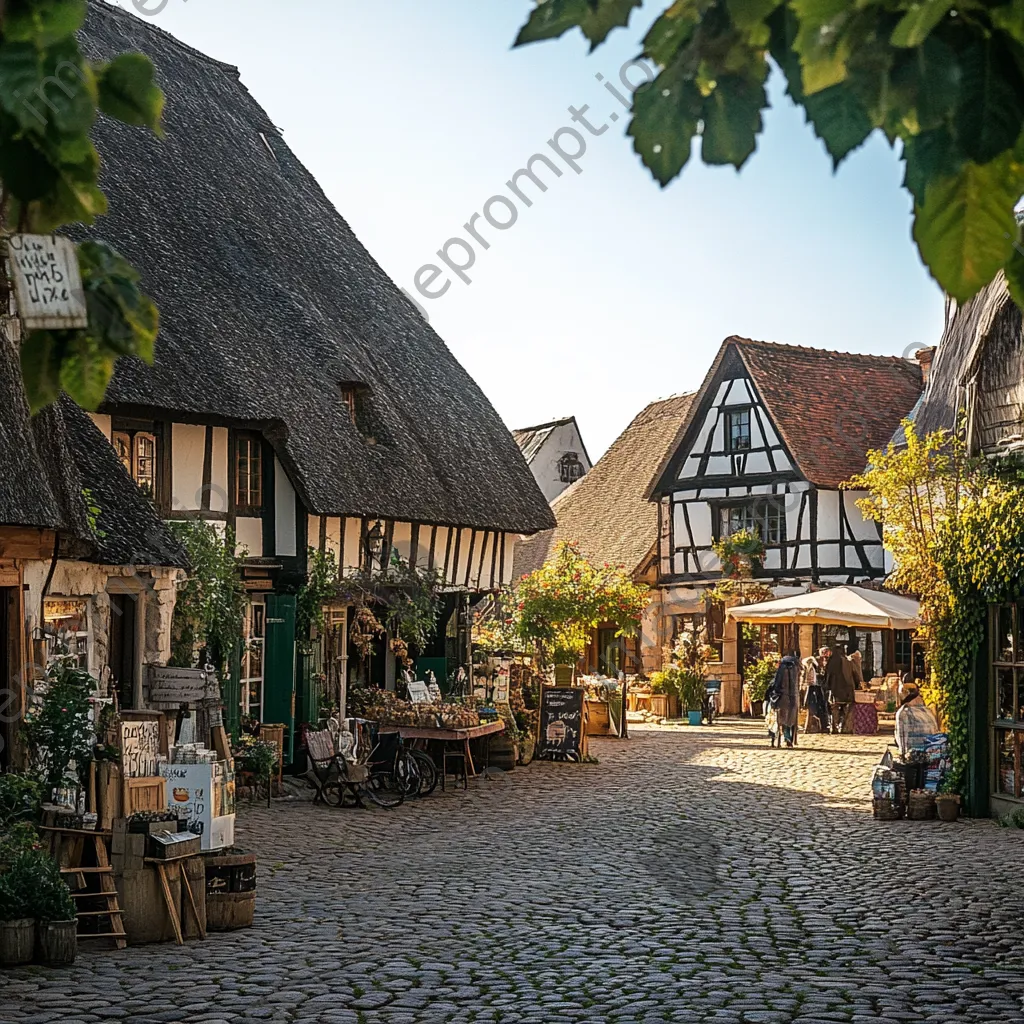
[
  {"x": 188, "y": 444},
  {"x": 828, "y": 516},
  {"x": 401, "y": 539},
  {"x": 249, "y": 536},
  {"x": 333, "y": 534},
  {"x": 544, "y": 466},
  {"x": 353, "y": 543},
  {"x": 102, "y": 422},
  {"x": 284, "y": 512},
  {"x": 219, "y": 477},
  {"x": 509, "y": 540}
]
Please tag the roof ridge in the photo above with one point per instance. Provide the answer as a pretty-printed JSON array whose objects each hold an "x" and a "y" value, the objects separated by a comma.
[
  {"x": 113, "y": 9},
  {"x": 901, "y": 360},
  {"x": 544, "y": 426}
]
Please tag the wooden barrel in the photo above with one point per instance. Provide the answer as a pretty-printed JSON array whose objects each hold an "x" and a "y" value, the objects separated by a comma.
[
  {"x": 226, "y": 911},
  {"x": 501, "y": 753},
  {"x": 57, "y": 942},
  {"x": 17, "y": 941}
]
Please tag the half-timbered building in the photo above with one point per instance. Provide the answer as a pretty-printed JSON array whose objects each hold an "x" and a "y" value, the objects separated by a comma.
[
  {"x": 555, "y": 453},
  {"x": 771, "y": 437},
  {"x": 297, "y": 397}
]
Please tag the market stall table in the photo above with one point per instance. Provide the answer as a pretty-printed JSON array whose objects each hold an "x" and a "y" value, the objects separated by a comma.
[{"x": 459, "y": 736}]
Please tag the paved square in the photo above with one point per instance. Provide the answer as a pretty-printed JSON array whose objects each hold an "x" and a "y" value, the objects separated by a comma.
[{"x": 692, "y": 875}]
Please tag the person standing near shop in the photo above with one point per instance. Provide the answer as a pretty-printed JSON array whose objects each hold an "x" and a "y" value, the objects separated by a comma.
[
  {"x": 915, "y": 721},
  {"x": 839, "y": 686},
  {"x": 785, "y": 697},
  {"x": 814, "y": 697}
]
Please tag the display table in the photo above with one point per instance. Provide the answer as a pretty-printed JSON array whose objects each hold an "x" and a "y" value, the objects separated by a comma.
[{"x": 459, "y": 736}]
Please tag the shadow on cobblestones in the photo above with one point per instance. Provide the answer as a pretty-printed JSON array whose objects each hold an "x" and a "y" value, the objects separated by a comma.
[{"x": 692, "y": 875}]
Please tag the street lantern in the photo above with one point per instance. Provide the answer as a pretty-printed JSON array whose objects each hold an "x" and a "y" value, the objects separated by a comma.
[{"x": 375, "y": 543}]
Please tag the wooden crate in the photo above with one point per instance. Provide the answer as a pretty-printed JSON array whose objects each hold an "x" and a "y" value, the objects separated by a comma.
[
  {"x": 597, "y": 718},
  {"x": 147, "y": 794}
]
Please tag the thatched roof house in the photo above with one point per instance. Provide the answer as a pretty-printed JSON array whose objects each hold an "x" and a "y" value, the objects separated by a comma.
[
  {"x": 274, "y": 315},
  {"x": 976, "y": 380},
  {"x": 607, "y": 512}
]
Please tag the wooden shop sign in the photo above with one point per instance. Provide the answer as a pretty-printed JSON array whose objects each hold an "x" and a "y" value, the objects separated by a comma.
[{"x": 175, "y": 686}]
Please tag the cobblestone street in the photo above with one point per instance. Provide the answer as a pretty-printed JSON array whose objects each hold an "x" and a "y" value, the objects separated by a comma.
[{"x": 692, "y": 875}]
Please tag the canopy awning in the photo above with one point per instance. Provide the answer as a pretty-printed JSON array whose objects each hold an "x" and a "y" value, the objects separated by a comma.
[{"x": 837, "y": 606}]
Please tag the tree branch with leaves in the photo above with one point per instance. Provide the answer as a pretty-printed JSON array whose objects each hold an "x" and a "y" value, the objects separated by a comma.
[{"x": 945, "y": 81}]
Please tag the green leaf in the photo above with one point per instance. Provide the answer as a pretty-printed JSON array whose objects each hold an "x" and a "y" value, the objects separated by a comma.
[
  {"x": 673, "y": 30},
  {"x": 732, "y": 120},
  {"x": 839, "y": 119},
  {"x": 1014, "y": 271},
  {"x": 991, "y": 108},
  {"x": 914, "y": 27},
  {"x": 40, "y": 368},
  {"x": 85, "y": 371},
  {"x": 50, "y": 91},
  {"x": 128, "y": 92},
  {"x": 965, "y": 228},
  {"x": 820, "y": 43},
  {"x": 1010, "y": 19},
  {"x": 665, "y": 116},
  {"x": 928, "y": 157},
  {"x": 43, "y": 22},
  {"x": 749, "y": 16},
  {"x": 595, "y": 18}
]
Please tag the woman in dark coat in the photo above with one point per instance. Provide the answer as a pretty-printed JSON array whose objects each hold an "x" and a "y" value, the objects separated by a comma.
[{"x": 785, "y": 696}]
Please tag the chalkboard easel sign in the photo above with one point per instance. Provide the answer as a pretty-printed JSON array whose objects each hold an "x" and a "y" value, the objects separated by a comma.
[{"x": 561, "y": 724}]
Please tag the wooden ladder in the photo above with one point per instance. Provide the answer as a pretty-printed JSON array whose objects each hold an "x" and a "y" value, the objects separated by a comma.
[{"x": 69, "y": 848}]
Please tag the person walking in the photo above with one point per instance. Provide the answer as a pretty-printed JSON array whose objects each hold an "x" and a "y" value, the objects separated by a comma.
[
  {"x": 839, "y": 686},
  {"x": 814, "y": 697},
  {"x": 785, "y": 690}
]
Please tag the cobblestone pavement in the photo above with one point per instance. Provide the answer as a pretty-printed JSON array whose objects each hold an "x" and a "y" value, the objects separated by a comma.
[{"x": 692, "y": 875}]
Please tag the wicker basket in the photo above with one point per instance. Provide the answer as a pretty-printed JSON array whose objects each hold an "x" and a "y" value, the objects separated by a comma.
[
  {"x": 921, "y": 806},
  {"x": 886, "y": 809}
]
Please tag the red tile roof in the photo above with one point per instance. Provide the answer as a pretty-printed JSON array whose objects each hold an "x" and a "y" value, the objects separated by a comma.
[{"x": 831, "y": 407}]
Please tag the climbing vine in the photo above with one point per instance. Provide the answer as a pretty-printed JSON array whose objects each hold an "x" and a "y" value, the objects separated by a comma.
[{"x": 955, "y": 527}]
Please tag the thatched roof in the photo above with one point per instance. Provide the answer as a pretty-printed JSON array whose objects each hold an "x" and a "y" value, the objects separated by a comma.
[
  {"x": 606, "y": 511},
  {"x": 269, "y": 303},
  {"x": 830, "y": 408},
  {"x": 956, "y": 360},
  {"x": 57, "y": 464}
]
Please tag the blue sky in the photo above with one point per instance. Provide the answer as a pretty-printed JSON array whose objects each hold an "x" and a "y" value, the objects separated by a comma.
[{"x": 608, "y": 292}]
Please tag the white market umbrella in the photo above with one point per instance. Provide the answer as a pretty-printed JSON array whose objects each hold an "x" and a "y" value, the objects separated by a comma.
[{"x": 836, "y": 606}]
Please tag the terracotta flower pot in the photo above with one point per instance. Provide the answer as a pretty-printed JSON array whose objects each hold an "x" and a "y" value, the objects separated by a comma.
[{"x": 948, "y": 806}]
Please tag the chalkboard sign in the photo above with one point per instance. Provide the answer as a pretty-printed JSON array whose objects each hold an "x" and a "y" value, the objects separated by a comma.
[{"x": 561, "y": 723}]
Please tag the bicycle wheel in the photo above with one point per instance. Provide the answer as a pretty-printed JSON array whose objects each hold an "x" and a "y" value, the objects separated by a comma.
[
  {"x": 428, "y": 771},
  {"x": 409, "y": 774},
  {"x": 385, "y": 789}
]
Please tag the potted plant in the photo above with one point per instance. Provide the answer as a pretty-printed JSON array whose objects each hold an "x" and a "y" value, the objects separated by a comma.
[
  {"x": 17, "y": 925},
  {"x": 56, "y": 916},
  {"x": 692, "y": 690},
  {"x": 660, "y": 689},
  {"x": 947, "y": 805},
  {"x": 740, "y": 553},
  {"x": 757, "y": 679}
]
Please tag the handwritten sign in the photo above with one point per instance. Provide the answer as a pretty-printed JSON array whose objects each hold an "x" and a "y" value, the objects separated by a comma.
[
  {"x": 47, "y": 282},
  {"x": 501, "y": 684},
  {"x": 561, "y": 723},
  {"x": 197, "y": 792},
  {"x": 175, "y": 686},
  {"x": 419, "y": 692},
  {"x": 140, "y": 744}
]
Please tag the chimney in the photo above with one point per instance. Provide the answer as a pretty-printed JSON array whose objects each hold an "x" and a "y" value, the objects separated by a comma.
[{"x": 925, "y": 356}]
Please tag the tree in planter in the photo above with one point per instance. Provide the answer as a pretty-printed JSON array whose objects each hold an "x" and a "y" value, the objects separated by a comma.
[
  {"x": 563, "y": 602},
  {"x": 758, "y": 677},
  {"x": 210, "y": 607},
  {"x": 945, "y": 80},
  {"x": 50, "y": 96}
]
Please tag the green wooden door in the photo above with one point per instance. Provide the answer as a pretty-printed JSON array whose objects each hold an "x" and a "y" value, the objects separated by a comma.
[{"x": 279, "y": 668}]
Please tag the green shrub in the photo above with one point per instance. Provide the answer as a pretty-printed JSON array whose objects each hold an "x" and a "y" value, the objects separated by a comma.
[
  {"x": 759, "y": 676},
  {"x": 1015, "y": 819},
  {"x": 692, "y": 690},
  {"x": 16, "y": 839},
  {"x": 52, "y": 900},
  {"x": 18, "y": 887},
  {"x": 21, "y": 798}
]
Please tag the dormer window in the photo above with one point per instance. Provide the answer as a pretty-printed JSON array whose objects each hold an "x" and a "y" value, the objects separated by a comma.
[
  {"x": 348, "y": 400},
  {"x": 570, "y": 469},
  {"x": 355, "y": 400}
]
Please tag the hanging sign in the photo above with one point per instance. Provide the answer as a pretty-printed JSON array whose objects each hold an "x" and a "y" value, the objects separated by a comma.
[
  {"x": 47, "y": 282},
  {"x": 175, "y": 686},
  {"x": 561, "y": 723},
  {"x": 140, "y": 744}
]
